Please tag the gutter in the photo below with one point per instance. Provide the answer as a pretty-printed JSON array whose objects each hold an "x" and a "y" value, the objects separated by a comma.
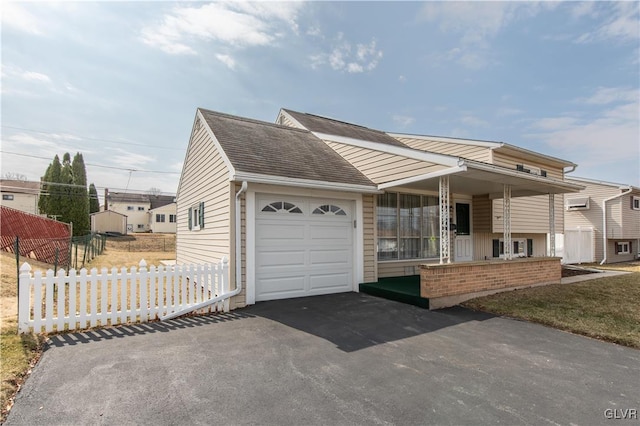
[
  {"x": 604, "y": 222},
  {"x": 238, "y": 289}
]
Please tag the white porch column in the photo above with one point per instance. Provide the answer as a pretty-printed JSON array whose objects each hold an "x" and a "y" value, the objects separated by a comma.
[
  {"x": 445, "y": 241},
  {"x": 506, "y": 222},
  {"x": 552, "y": 226}
]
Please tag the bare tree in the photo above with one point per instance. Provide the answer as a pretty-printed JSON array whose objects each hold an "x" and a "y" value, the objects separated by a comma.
[
  {"x": 15, "y": 176},
  {"x": 154, "y": 191}
]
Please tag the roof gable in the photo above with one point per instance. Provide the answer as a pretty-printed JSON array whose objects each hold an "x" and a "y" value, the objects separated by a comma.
[
  {"x": 316, "y": 123},
  {"x": 259, "y": 147}
]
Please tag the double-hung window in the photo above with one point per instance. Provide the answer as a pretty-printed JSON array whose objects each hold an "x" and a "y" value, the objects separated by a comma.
[
  {"x": 172, "y": 218},
  {"x": 160, "y": 217},
  {"x": 408, "y": 226},
  {"x": 196, "y": 216}
]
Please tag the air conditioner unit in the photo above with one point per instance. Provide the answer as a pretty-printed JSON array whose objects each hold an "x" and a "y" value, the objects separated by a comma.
[{"x": 581, "y": 203}]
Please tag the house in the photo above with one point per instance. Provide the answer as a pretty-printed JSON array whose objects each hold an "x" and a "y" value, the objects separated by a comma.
[
  {"x": 606, "y": 214},
  {"x": 108, "y": 221},
  {"x": 163, "y": 218},
  {"x": 313, "y": 205},
  {"x": 20, "y": 195},
  {"x": 137, "y": 208}
]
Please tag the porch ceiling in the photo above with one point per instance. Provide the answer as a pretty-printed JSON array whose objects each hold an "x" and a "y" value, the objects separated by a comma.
[{"x": 482, "y": 179}]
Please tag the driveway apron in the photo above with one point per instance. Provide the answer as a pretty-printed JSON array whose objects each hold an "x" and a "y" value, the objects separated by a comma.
[{"x": 338, "y": 359}]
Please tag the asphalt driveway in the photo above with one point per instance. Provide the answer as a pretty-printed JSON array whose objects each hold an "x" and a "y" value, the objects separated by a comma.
[{"x": 339, "y": 359}]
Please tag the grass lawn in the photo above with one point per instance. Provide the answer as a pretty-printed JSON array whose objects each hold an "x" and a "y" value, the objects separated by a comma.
[
  {"x": 603, "y": 308},
  {"x": 20, "y": 352}
]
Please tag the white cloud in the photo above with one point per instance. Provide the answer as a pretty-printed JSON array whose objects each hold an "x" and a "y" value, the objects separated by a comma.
[
  {"x": 476, "y": 23},
  {"x": 583, "y": 8},
  {"x": 621, "y": 24},
  {"x": 227, "y": 60},
  {"x": 14, "y": 15},
  {"x": 36, "y": 76},
  {"x": 403, "y": 120},
  {"x": 607, "y": 95},
  {"x": 237, "y": 24},
  {"x": 402, "y": 79},
  {"x": 343, "y": 56},
  {"x": 607, "y": 138}
]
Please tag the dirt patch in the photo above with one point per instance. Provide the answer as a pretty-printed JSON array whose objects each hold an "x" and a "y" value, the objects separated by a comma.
[
  {"x": 143, "y": 243},
  {"x": 572, "y": 272}
]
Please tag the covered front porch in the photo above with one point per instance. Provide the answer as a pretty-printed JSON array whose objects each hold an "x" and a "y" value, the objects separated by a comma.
[{"x": 456, "y": 275}]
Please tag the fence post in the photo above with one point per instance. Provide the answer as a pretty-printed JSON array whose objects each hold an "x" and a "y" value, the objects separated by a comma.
[
  {"x": 23, "y": 298},
  {"x": 226, "y": 286},
  {"x": 16, "y": 250}
]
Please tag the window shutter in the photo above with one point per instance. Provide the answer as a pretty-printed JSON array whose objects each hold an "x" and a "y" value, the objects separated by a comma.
[
  {"x": 496, "y": 248},
  {"x": 190, "y": 223},
  {"x": 631, "y": 247},
  {"x": 617, "y": 248},
  {"x": 202, "y": 214},
  {"x": 529, "y": 247}
]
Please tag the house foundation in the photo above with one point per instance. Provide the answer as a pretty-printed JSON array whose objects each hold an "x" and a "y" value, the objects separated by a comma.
[{"x": 449, "y": 284}]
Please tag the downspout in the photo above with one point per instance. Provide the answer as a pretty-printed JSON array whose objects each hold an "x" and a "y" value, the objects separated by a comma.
[
  {"x": 238, "y": 289},
  {"x": 604, "y": 222}
]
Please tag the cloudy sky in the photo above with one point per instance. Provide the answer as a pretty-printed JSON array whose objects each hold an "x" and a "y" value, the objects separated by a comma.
[{"x": 121, "y": 81}]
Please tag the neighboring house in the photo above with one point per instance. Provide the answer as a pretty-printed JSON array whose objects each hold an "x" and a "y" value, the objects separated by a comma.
[
  {"x": 314, "y": 206},
  {"x": 163, "y": 218},
  {"x": 609, "y": 214},
  {"x": 137, "y": 208},
  {"x": 20, "y": 195},
  {"x": 108, "y": 221}
]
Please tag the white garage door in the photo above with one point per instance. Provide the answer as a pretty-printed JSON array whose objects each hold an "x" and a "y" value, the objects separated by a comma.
[{"x": 304, "y": 247}]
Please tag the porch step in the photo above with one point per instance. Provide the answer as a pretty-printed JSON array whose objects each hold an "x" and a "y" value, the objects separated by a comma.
[{"x": 400, "y": 289}]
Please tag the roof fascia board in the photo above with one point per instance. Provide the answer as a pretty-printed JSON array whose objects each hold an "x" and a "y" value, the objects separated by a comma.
[
  {"x": 445, "y": 160},
  {"x": 303, "y": 183},
  {"x": 426, "y": 176},
  {"x": 216, "y": 143},
  {"x": 605, "y": 183},
  {"x": 444, "y": 139},
  {"x": 514, "y": 173},
  {"x": 507, "y": 146}
]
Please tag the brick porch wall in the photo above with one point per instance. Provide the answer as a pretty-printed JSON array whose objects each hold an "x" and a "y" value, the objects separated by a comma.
[{"x": 456, "y": 279}]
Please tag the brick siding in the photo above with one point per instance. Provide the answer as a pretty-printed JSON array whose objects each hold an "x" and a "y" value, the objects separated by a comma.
[{"x": 470, "y": 277}]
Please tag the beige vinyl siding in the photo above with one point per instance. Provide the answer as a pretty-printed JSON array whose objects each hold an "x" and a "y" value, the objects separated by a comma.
[
  {"x": 483, "y": 244},
  {"x": 286, "y": 121},
  {"x": 612, "y": 257},
  {"x": 382, "y": 167},
  {"x": 472, "y": 152},
  {"x": 529, "y": 214},
  {"x": 166, "y": 226},
  {"x": 27, "y": 203},
  {"x": 370, "y": 238},
  {"x": 108, "y": 221},
  {"x": 205, "y": 178},
  {"x": 630, "y": 217},
  {"x": 501, "y": 159},
  {"x": 481, "y": 211},
  {"x": 623, "y": 223}
]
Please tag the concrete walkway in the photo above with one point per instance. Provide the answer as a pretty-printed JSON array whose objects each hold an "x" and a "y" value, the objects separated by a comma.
[
  {"x": 586, "y": 277},
  {"x": 330, "y": 360}
]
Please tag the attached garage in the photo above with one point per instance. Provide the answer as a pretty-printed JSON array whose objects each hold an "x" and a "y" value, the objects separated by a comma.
[{"x": 303, "y": 246}]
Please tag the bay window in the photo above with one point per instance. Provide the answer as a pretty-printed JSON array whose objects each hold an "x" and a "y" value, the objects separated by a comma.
[{"x": 408, "y": 226}]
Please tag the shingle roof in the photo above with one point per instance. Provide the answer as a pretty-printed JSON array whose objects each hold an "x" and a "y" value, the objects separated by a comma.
[
  {"x": 161, "y": 200},
  {"x": 123, "y": 197},
  {"x": 316, "y": 123},
  {"x": 254, "y": 146},
  {"x": 19, "y": 186}
]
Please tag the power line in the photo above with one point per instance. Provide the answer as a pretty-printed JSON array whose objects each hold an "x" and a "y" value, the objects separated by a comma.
[
  {"x": 97, "y": 165},
  {"x": 89, "y": 138}
]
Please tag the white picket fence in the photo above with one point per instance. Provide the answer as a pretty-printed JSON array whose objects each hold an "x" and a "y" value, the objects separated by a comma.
[{"x": 82, "y": 299}]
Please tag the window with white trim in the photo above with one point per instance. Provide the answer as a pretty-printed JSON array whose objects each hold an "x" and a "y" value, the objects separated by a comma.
[
  {"x": 196, "y": 216},
  {"x": 129, "y": 208},
  {"x": 635, "y": 203},
  {"x": 522, "y": 247},
  {"x": 281, "y": 207},
  {"x": 329, "y": 209},
  {"x": 7, "y": 197},
  {"x": 160, "y": 217},
  {"x": 140, "y": 209},
  {"x": 623, "y": 247},
  {"x": 408, "y": 226},
  {"x": 172, "y": 218},
  {"x": 140, "y": 226}
]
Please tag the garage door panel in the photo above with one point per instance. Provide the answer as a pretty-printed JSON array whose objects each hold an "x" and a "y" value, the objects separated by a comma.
[
  {"x": 330, "y": 258},
  {"x": 267, "y": 260},
  {"x": 334, "y": 281},
  {"x": 303, "y": 254},
  {"x": 280, "y": 286},
  {"x": 336, "y": 232},
  {"x": 270, "y": 233}
]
